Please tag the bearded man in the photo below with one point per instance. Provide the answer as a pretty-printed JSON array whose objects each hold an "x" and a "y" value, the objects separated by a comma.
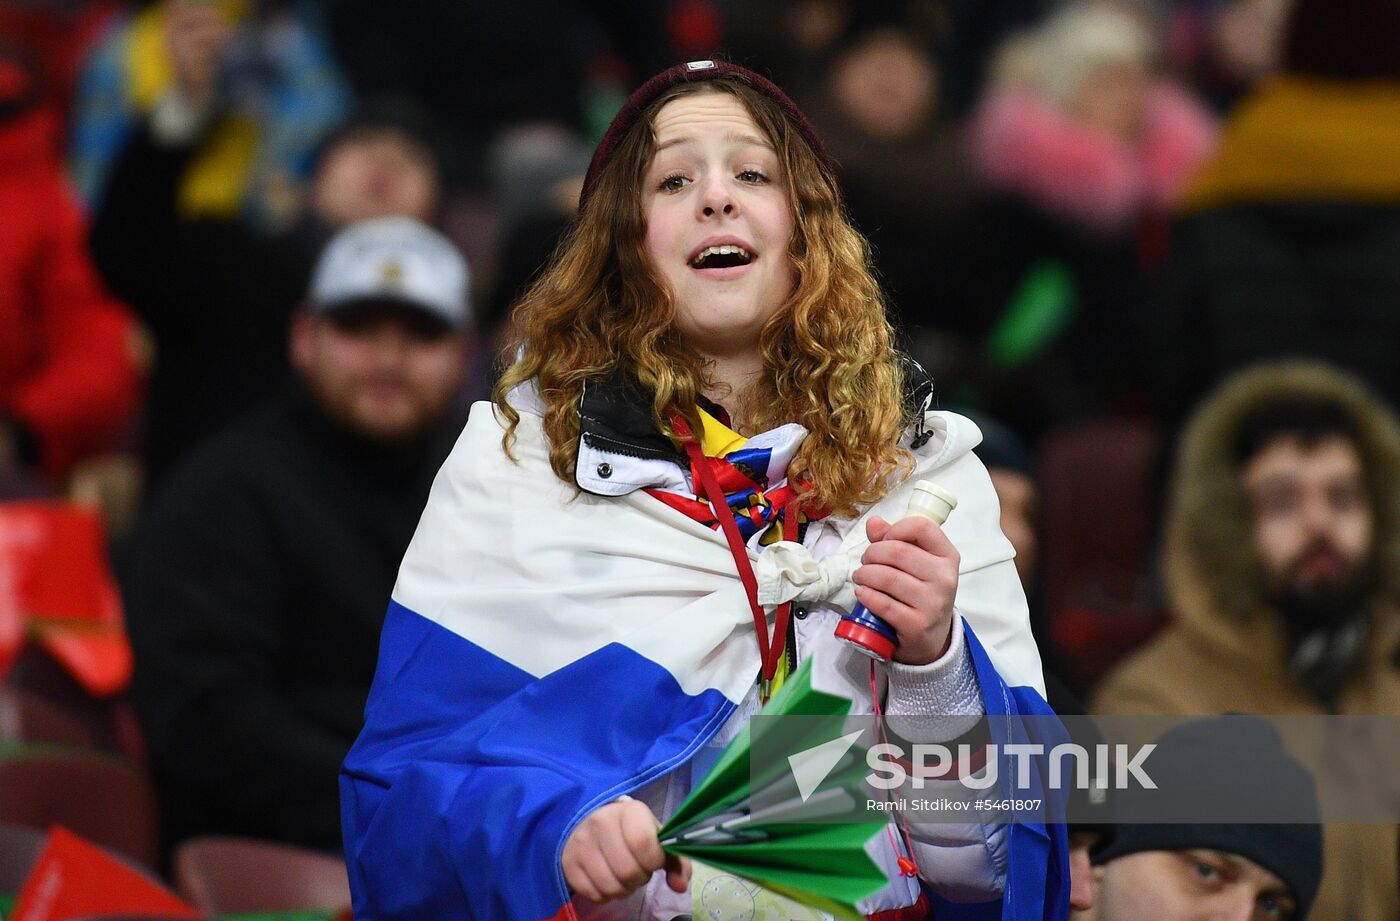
[{"x": 1283, "y": 576}]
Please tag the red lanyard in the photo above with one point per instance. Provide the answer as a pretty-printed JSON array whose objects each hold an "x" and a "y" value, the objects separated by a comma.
[{"x": 770, "y": 652}]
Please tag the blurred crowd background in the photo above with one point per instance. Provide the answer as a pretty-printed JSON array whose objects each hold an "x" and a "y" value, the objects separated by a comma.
[{"x": 1087, "y": 215}]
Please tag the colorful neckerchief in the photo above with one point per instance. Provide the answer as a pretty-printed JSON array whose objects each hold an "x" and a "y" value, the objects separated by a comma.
[{"x": 743, "y": 473}]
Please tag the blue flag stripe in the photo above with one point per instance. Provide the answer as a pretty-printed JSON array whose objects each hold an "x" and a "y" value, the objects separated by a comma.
[{"x": 468, "y": 770}]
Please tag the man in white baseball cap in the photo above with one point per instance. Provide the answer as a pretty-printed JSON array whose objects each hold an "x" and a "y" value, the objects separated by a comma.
[
  {"x": 256, "y": 588},
  {"x": 380, "y": 342},
  {"x": 393, "y": 259}
]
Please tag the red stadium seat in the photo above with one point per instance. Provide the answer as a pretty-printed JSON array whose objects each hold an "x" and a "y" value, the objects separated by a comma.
[
  {"x": 29, "y": 717},
  {"x": 131, "y": 917},
  {"x": 109, "y": 722},
  {"x": 1098, "y": 500},
  {"x": 104, "y": 798},
  {"x": 227, "y": 875},
  {"x": 19, "y": 848}
]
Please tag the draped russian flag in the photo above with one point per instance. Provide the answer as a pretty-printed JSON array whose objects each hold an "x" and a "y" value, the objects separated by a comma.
[{"x": 544, "y": 653}]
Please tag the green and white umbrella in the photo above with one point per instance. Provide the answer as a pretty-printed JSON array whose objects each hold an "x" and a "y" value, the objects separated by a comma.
[{"x": 792, "y": 819}]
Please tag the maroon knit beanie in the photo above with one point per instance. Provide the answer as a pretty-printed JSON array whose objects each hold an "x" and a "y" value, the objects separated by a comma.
[{"x": 692, "y": 72}]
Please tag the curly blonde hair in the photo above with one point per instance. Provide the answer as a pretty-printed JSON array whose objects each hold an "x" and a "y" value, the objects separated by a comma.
[{"x": 828, "y": 351}]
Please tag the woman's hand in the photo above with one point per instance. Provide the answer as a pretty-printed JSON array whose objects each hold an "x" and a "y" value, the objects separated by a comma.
[
  {"x": 909, "y": 577},
  {"x": 614, "y": 851}
]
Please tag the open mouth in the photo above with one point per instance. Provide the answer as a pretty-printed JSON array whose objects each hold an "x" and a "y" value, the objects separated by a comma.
[
  {"x": 726, "y": 256},
  {"x": 1322, "y": 561}
]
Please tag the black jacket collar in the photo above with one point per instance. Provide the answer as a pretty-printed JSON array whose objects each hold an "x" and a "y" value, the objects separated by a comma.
[
  {"x": 615, "y": 416},
  {"x": 615, "y": 413}
]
